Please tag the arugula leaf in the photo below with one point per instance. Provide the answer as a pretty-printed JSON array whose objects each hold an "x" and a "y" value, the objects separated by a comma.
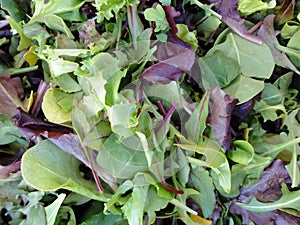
[
  {"x": 294, "y": 131},
  {"x": 288, "y": 200}
]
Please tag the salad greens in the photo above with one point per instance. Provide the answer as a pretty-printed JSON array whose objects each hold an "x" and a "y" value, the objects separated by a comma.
[{"x": 149, "y": 112}]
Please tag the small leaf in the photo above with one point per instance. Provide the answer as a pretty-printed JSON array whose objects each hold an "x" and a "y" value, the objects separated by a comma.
[
  {"x": 52, "y": 209},
  {"x": 52, "y": 110},
  {"x": 30, "y": 56},
  {"x": 56, "y": 23},
  {"x": 196, "y": 124},
  {"x": 158, "y": 16},
  {"x": 243, "y": 153}
]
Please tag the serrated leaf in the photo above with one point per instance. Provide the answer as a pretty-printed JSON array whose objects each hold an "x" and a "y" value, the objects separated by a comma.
[
  {"x": 288, "y": 200},
  {"x": 158, "y": 16}
]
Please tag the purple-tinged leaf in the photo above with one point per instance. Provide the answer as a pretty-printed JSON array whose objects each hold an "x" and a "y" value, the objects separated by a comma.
[
  {"x": 231, "y": 17},
  {"x": 10, "y": 170},
  {"x": 241, "y": 112},
  {"x": 268, "y": 35},
  {"x": 171, "y": 13},
  {"x": 275, "y": 217},
  {"x": 11, "y": 93},
  {"x": 32, "y": 127},
  {"x": 221, "y": 107},
  {"x": 170, "y": 69},
  {"x": 267, "y": 189}
]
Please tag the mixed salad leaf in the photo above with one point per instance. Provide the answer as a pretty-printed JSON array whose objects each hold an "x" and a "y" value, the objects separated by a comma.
[{"x": 140, "y": 112}]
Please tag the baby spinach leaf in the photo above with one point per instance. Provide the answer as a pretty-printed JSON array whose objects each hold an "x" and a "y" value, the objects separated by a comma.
[
  {"x": 122, "y": 159},
  {"x": 237, "y": 88},
  {"x": 218, "y": 70},
  {"x": 54, "y": 169},
  {"x": 255, "y": 60}
]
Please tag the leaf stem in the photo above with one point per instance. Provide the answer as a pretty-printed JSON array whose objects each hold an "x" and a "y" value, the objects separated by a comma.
[{"x": 279, "y": 147}]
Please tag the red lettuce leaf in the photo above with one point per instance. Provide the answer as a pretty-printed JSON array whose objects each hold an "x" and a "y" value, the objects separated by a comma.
[
  {"x": 10, "y": 170},
  {"x": 221, "y": 107},
  {"x": 231, "y": 17},
  {"x": 240, "y": 113},
  {"x": 11, "y": 93},
  {"x": 32, "y": 127}
]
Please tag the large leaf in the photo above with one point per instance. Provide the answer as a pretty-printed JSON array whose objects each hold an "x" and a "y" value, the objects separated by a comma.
[
  {"x": 46, "y": 167},
  {"x": 122, "y": 158},
  {"x": 255, "y": 60}
]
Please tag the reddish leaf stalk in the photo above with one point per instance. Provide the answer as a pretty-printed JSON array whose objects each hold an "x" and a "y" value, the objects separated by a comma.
[
  {"x": 167, "y": 116},
  {"x": 162, "y": 182}
]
